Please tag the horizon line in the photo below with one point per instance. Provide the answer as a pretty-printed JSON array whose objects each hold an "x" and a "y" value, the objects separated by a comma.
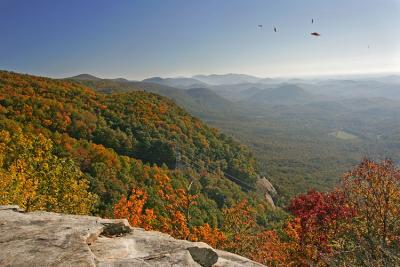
[{"x": 294, "y": 76}]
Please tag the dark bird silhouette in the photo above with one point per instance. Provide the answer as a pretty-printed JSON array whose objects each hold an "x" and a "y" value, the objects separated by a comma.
[
  {"x": 315, "y": 34},
  {"x": 260, "y": 25},
  {"x": 312, "y": 21},
  {"x": 275, "y": 29}
]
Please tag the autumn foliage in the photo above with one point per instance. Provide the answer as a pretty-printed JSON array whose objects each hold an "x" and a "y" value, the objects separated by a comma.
[
  {"x": 133, "y": 210},
  {"x": 205, "y": 233},
  {"x": 357, "y": 224},
  {"x": 35, "y": 179},
  {"x": 173, "y": 219},
  {"x": 66, "y": 148},
  {"x": 321, "y": 217},
  {"x": 111, "y": 137},
  {"x": 373, "y": 237}
]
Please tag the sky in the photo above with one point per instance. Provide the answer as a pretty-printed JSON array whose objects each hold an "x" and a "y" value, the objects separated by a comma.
[{"x": 140, "y": 39}]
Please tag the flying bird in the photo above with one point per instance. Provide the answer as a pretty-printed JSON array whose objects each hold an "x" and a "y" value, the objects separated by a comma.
[
  {"x": 260, "y": 25},
  {"x": 315, "y": 34},
  {"x": 275, "y": 29}
]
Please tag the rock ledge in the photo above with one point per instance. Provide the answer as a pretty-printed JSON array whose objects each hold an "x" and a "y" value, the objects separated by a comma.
[{"x": 52, "y": 239}]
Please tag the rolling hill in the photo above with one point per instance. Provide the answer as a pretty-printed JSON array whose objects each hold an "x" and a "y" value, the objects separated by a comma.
[
  {"x": 85, "y": 77},
  {"x": 287, "y": 94},
  {"x": 127, "y": 139},
  {"x": 201, "y": 102}
]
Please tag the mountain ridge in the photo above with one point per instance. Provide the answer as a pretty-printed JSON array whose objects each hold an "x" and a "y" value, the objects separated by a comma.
[
  {"x": 119, "y": 139},
  {"x": 229, "y": 78},
  {"x": 181, "y": 83}
]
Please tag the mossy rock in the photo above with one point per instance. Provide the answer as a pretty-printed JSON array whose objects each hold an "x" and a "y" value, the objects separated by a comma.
[{"x": 115, "y": 229}]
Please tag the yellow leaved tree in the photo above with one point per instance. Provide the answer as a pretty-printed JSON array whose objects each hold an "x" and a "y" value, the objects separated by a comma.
[{"x": 35, "y": 179}]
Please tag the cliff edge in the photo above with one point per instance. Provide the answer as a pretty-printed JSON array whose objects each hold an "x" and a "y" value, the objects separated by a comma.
[{"x": 52, "y": 239}]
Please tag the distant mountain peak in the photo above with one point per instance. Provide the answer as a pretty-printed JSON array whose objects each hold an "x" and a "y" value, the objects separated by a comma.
[
  {"x": 84, "y": 77},
  {"x": 91, "y": 78},
  {"x": 153, "y": 79}
]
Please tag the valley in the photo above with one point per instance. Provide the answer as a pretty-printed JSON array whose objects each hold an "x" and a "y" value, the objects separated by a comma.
[{"x": 304, "y": 133}]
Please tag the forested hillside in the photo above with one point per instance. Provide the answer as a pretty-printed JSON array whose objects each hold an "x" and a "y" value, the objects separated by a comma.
[{"x": 115, "y": 139}]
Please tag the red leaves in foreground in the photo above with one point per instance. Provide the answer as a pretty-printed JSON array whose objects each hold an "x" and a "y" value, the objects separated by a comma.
[
  {"x": 320, "y": 207},
  {"x": 358, "y": 223},
  {"x": 320, "y": 215}
]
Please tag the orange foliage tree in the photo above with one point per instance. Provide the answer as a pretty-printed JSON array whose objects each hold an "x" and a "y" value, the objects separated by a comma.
[
  {"x": 373, "y": 237},
  {"x": 245, "y": 237},
  {"x": 270, "y": 249},
  {"x": 239, "y": 225},
  {"x": 174, "y": 216},
  {"x": 132, "y": 209},
  {"x": 205, "y": 233}
]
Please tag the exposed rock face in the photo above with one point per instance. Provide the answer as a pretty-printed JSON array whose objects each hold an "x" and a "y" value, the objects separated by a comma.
[
  {"x": 266, "y": 185},
  {"x": 267, "y": 189},
  {"x": 51, "y": 239}
]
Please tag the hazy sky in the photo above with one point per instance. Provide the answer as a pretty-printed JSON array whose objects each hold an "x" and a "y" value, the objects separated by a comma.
[{"x": 139, "y": 39}]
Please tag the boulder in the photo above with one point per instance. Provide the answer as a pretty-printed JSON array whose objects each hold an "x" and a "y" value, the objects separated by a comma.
[{"x": 206, "y": 257}]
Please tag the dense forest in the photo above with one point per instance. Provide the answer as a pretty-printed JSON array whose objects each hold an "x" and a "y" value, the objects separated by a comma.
[
  {"x": 119, "y": 139},
  {"x": 137, "y": 155}
]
